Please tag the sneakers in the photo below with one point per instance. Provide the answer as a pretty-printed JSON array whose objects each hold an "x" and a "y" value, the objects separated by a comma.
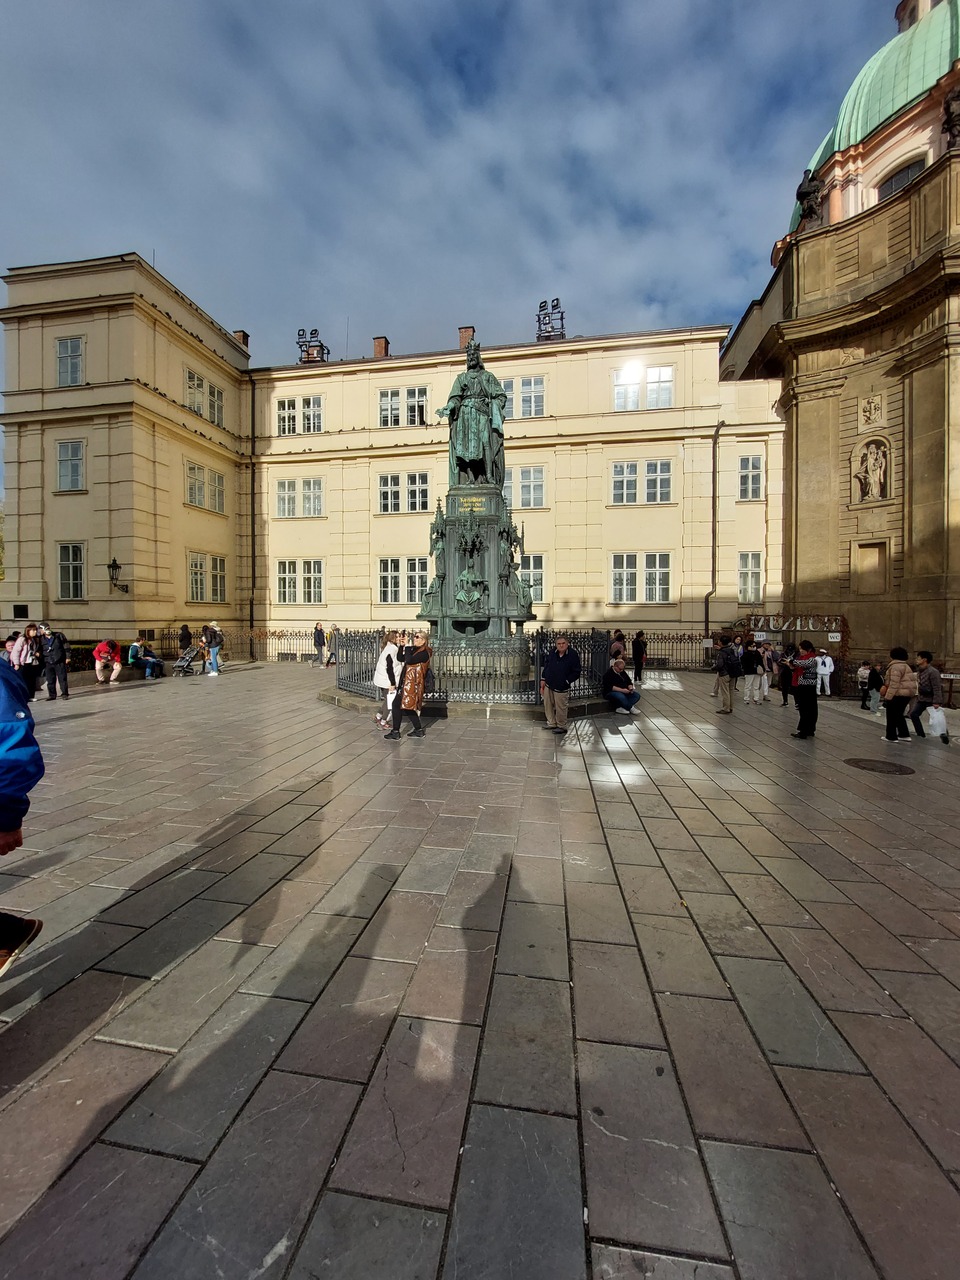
[
  {"x": 15, "y": 940},
  {"x": 557, "y": 729},
  {"x": 896, "y": 740},
  {"x": 635, "y": 711},
  {"x": 213, "y": 673},
  {"x": 622, "y": 711},
  {"x": 549, "y": 726},
  {"x": 392, "y": 736},
  {"x": 417, "y": 733},
  {"x": 381, "y": 723},
  {"x": 945, "y": 739}
]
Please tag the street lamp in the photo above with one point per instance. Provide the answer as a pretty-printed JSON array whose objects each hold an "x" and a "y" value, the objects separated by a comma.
[{"x": 114, "y": 571}]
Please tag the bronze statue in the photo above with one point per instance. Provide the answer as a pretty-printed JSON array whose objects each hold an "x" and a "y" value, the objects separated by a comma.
[
  {"x": 809, "y": 197},
  {"x": 438, "y": 535},
  {"x": 475, "y": 410},
  {"x": 470, "y": 591}
]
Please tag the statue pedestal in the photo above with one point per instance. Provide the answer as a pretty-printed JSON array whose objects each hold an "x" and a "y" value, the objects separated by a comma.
[{"x": 476, "y": 595}]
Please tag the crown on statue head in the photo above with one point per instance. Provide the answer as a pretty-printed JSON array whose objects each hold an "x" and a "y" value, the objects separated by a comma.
[{"x": 473, "y": 345}]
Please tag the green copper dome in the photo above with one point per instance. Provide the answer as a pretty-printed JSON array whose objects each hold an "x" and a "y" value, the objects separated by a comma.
[{"x": 894, "y": 78}]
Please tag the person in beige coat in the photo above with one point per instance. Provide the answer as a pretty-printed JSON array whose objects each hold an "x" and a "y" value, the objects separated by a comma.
[{"x": 899, "y": 689}]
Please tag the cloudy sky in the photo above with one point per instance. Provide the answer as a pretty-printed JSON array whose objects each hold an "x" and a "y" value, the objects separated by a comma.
[{"x": 408, "y": 166}]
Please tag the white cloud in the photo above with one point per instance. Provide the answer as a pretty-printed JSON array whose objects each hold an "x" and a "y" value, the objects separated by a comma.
[{"x": 422, "y": 166}]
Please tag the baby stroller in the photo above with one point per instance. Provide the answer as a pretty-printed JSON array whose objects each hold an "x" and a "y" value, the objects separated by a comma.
[{"x": 184, "y": 664}]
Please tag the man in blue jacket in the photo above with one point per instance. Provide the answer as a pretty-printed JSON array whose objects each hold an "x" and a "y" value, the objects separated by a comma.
[
  {"x": 560, "y": 671},
  {"x": 21, "y": 768}
]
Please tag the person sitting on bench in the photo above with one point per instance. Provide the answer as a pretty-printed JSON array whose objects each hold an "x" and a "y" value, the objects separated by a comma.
[{"x": 142, "y": 656}]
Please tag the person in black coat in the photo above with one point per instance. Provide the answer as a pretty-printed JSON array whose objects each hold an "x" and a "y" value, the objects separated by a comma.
[
  {"x": 638, "y": 647},
  {"x": 561, "y": 671}
]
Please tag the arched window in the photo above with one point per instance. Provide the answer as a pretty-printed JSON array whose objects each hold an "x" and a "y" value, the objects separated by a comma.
[{"x": 897, "y": 181}]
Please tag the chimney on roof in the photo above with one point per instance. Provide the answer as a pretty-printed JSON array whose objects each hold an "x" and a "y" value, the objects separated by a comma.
[
  {"x": 242, "y": 337},
  {"x": 381, "y": 348},
  {"x": 466, "y": 335}
]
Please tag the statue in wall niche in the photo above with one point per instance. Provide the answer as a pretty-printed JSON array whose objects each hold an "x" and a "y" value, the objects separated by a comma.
[
  {"x": 809, "y": 197},
  {"x": 871, "y": 473},
  {"x": 470, "y": 591},
  {"x": 475, "y": 412},
  {"x": 951, "y": 118}
]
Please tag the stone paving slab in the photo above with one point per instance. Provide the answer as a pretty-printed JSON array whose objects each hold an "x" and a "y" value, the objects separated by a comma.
[{"x": 340, "y": 1003}]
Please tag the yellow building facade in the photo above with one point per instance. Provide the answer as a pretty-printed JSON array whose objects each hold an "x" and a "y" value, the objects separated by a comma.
[{"x": 650, "y": 492}]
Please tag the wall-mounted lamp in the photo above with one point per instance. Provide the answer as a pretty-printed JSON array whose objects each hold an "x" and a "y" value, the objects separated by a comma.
[{"x": 114, "y": 571}]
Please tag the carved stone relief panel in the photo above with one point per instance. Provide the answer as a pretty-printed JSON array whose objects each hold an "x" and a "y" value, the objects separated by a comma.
[{"x": 870, "y": 470}]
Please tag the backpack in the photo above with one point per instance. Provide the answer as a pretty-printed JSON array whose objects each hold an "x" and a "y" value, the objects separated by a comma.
[
  {"x": 732, "y": 666},
  {"x": 216, "y": 638},
  {"x": 429, "y": 681}
]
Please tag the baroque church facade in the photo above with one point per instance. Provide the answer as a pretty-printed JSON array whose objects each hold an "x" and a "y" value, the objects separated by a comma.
[{"x": 861, "y": 323}]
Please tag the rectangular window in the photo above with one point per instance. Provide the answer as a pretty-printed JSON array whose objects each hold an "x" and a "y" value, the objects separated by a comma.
[
  {"x": 389, "y": 495},
  {"x": 626, "y": 389},
  {"x": 69, "y": 465},
  {"x": 416, "y": 578},
  {"x": 311, "y": 410},
  {"x": 656, "y": 577},
  {"x": 312, "y": 581},
  {"x": 751, "y": 478},
  {"x": 218, "y": 579},
  {"x": 531, "y": 571},
  {"x": 624, "y": 586},
  {"x": 416, "y": 406},
  {"x": 215, "y": 486},
  {"x": 195, "y": 392},
  {"x": 197, "y": 584},
  {"x": 312, "y": 500},
  {"x": 658, "y": 481},
  {"x": 286, "y": 499},
  {"x": 418, "y": 491},
  {"x": 530, "y": 397},
  {"x": 69, "y": 362},
  {"x": 286, "y": 417},
  {"x": 750, "y": 589},
  {"x": 660, "y": 387},
  {"x": 508, "y": 486},
  {"x": 624, "y": 483},
  {"x": 286, "y": 582},
  {"x": 390, "y": 408},
  {"x": 196, "y": 485},
  {"x": 390, "y": 581},
  {"x": 70, "y": 562},
  {"x": 531, "y": 486},
  {"x": 215, "y": 405}
]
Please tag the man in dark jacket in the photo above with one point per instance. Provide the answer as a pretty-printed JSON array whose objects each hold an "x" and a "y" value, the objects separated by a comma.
[
  {"x": 21, "y": 768},
  {"x": 560, "y": 671},
  {"x": 638, "y": 649},
  {"x": 929, "y": 691},
  {"x": 56, "y": 659},
  {"x": 729, "y": 670}
]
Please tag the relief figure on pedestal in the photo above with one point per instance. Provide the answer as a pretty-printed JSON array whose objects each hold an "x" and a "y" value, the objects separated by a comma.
[
  {"x": 475, "y": 411},
  {"x": 470, "y": 592}
]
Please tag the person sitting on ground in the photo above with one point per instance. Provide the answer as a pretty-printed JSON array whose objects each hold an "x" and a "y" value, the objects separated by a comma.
[
  {"x": 619, "y": 689},
  {"x": 107, "y": 654},
  {"x": 143, "y": 657}
]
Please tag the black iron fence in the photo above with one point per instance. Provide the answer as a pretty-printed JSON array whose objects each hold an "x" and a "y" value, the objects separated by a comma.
[
  {"x": 243, "y": 645},
  {"x": 509, "y": 671}
]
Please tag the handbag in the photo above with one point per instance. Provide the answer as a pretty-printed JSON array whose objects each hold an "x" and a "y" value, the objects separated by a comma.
[
  {"x": 937, "y": 720},
  {"x": 429, "y": 681}
]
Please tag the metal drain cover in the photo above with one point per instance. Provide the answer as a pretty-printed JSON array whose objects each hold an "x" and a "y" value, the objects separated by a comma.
[{"x": 879, "y": 766}]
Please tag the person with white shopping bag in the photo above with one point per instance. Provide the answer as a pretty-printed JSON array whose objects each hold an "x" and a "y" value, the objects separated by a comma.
[
  {"x": 386, "y": 677},
  {"x": 929, "y": 698}
]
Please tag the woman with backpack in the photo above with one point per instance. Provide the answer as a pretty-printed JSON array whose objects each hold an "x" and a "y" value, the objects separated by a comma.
[{"x": 412, "y": 685}]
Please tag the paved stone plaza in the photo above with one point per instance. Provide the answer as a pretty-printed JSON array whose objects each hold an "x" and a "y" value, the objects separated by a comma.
[{"x": 674, "y": 997}]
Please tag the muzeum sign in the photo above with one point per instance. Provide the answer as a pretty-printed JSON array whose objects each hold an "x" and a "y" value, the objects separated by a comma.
[{"x": 797, "y": 622}]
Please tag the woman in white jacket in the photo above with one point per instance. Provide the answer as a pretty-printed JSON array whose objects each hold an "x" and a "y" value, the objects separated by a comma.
[{"x": 386, "y": 677}]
